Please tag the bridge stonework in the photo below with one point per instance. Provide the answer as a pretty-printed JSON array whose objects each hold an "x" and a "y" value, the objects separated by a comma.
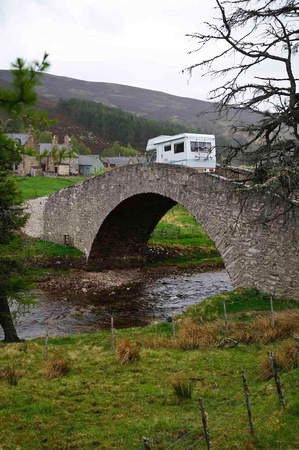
[{"x": 110, "y": 218}]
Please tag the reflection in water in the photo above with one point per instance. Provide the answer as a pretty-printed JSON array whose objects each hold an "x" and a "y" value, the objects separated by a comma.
[{"x": 138, "y": 306}]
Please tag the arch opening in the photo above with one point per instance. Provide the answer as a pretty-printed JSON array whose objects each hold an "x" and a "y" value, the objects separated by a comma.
[{"x": 122, "y": 238}]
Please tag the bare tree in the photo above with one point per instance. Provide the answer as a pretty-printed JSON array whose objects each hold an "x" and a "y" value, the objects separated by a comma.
[{"x": 247, "y": 43}]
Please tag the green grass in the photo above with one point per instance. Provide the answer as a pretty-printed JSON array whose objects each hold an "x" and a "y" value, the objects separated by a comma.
[
  {"x": 178, "y": 226},
  {"x": 191, "y": 259},
  {"x": 179, "y": 231},
  {"x": 102, "y": 404},
  {"x": 39, "y": 247},
  {"x": 238, "y": 302},
  {"x": 27, "y": 247},
  {"x": 32, "y": 187}
]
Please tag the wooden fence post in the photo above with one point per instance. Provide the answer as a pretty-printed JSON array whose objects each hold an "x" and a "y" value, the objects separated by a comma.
[
  {"x": 296, "y": 339},
  {"x": 225, "y": 318},
  {"x": 112, "y": 333},
  {"x": 275, "y": 371},
  {"x": 146, "y": 443},
  {"x": 173, "y": 327},
  {"x": 248, "y": 403},
  {"x": 205, "y": 423},
  {"x": 46, "y": 342},
  {"x": 272, "y": 311}
]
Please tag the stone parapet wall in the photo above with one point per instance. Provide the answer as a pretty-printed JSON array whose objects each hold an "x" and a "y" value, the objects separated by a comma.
[{"x": 35, "y": 224}]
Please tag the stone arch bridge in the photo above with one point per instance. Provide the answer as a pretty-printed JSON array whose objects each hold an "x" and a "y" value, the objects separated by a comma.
[{"x": 110, "y": 218}]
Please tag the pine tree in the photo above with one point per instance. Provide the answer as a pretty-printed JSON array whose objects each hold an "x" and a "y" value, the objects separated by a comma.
[{"x": 17, "y": 102}]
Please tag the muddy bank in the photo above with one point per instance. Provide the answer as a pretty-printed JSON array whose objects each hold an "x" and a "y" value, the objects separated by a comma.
[{"x": 93, "y": 283}]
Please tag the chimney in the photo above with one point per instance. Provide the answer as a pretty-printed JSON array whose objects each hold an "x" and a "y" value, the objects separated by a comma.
[
  {"x": 67, "y": 141},
  {"x": 30, "y": 142}
]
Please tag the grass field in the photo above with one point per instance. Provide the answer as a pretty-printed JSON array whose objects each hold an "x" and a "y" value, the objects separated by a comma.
[
  {"x": 32, "y": 187},
  {"x": 100, "y": 403}
]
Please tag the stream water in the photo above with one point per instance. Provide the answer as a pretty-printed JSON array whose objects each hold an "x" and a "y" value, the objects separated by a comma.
[{"x": 138, "y": 306}]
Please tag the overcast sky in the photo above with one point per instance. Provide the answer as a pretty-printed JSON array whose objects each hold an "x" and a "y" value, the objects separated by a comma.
[{"x": 133, "y": 42}]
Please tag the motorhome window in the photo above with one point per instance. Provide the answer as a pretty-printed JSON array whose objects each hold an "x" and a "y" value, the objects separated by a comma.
[
  {"x": 200, "y": 146},
  {"x": 167, "y": 148},
  {"x": 179, "y": 148}
]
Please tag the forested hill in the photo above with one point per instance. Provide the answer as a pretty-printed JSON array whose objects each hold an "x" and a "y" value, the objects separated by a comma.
[
  {"x": 114, "y": 124},
  {"x": 143, "y": 102}
]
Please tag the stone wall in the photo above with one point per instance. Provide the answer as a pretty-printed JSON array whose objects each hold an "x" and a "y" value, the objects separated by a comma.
[
  {"x": 63, "y": 170},
  {"x": 110, "y": 218},
  {"x": 26, "y": 164}
]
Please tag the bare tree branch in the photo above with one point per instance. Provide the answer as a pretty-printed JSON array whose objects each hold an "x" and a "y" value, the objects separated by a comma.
[{"x": 257, "y": 33}]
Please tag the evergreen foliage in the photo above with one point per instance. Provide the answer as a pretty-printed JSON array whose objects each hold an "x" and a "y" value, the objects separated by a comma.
[
  {"x": 79, "y": 147},
  {"x": 43, "y": 137},
  {"x": 114, "y": 124},
  {"x": 119, "y": 150},
  {"x": 13, "y": 274}
]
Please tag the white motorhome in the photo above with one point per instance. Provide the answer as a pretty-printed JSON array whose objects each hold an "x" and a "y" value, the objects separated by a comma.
[{"x": 187, "y": 149}]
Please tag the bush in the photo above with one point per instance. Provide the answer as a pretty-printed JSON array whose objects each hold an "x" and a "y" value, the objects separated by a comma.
[{"x": 127, "y": 351}]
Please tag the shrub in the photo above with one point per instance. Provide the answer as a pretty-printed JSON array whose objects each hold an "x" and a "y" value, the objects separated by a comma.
[
  {"x": 183, "y": 388},
  {"x": 56, "y": 368},
  {"x": 127, "y": 351}
]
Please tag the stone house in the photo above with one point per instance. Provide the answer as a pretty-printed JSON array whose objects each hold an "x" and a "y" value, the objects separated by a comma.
[
  {"x": 54, "y": 158},
  {"x": 28, "y": 161},
  {"x": 90, "y": 164}
]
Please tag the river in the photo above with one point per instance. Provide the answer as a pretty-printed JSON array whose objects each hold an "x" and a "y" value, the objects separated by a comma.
[{"x": 138, "y": 306}]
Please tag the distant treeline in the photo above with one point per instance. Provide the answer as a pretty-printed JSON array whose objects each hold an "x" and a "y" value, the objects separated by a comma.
[{"x": 114, "y": 124}]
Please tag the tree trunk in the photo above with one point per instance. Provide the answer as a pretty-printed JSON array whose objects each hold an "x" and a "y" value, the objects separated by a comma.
[{"x": 6, "y": 322}]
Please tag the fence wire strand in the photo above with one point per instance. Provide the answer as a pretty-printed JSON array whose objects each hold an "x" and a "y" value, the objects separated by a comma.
[{"x": 228, "y": 415}]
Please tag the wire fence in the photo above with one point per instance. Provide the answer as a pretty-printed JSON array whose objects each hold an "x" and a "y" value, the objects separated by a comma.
[{"x": 232, "y": 413}]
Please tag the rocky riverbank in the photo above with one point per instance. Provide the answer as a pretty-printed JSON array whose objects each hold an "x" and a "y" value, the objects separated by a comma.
[{"x": 82, "y": 282}]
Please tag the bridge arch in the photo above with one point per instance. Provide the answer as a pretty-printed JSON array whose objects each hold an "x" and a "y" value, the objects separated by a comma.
[
  {"x": 122, "y": 238},
  {"x": 110, "y": 217}
]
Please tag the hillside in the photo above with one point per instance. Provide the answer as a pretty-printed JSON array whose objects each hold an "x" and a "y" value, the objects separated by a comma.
[{"x": 143, "y": 102}]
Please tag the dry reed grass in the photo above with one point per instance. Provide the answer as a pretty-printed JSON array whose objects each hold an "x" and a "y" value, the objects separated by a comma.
[
  {"x": 261, "y": 331},
  {"x": 156, "y": 342},
  {"x": 9, "y": 374},
  {"x": 191, "y": 335},
  {"x": 127, "y": 351},
  {"x": 286, "y": 357},
  {"x": 194, "y": 332},
  {"x": 55, "y": 368}
]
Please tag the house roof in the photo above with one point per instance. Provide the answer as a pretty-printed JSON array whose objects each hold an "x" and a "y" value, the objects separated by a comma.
[
  {"x": 49, "y": 147},
  {"x": 88, "y": 160},
  {"x": 124, "y": 160},
  {"x": 22, "y": 138}
]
